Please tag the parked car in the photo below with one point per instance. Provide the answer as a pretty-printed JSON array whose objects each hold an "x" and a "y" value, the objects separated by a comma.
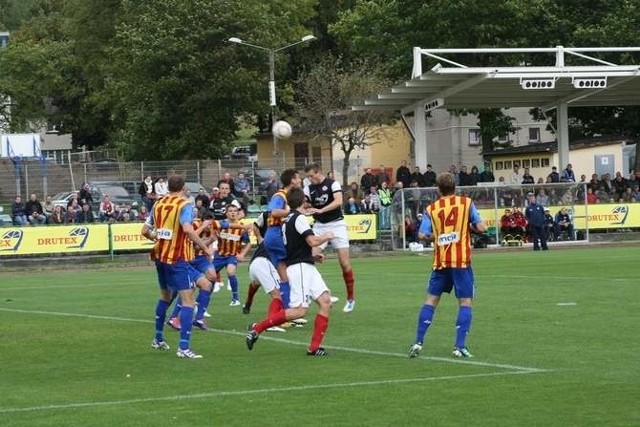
[
  {"x": 131, "y": 187},
  {"x": 194, "y": 188},
  {"x": 62, "y": 199},
  {"x": 117, "y": 193},
  {"x": 258, "y": 178}
]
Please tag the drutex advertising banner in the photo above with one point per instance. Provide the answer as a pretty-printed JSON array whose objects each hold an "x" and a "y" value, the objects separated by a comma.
[{"x": 54, "y": 240}]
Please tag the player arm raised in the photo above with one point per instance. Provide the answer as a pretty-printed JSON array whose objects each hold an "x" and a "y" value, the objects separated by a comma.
[{"x": 313, "y": 240}]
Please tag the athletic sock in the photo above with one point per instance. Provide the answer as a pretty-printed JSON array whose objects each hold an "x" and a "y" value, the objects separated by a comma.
[
  {"x": 218, "y": 277},
  {"x": 274, "y": 306},
  {"x": 349, "y": 282},
  {"x": 320, "y": 326},
  {"x": 275, "y": 319},
  {"x": 285, "y": 292},
  {"x": 233, "y": 282},
  {"x": 424, "y": 321},
  {"x": 186, "y": 317},
  {"x": 463, "y": 324},
  {"x": 204, "y": 298},
  {"x": 176, "y": 308},
  {"x": 161, "y": 315},
  {"x": 251, "y": 292}
]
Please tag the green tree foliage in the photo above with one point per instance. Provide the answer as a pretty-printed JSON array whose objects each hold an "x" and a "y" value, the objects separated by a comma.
[{"x": 325, "y": 93}]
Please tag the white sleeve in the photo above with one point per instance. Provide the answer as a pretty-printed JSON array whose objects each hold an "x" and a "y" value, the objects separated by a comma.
[
  {"x": 302, "y": 224},
  {"x": 259, "y": 222},
  {"x": 307, "y": 193},
  {"x": 336, "y": 187}
]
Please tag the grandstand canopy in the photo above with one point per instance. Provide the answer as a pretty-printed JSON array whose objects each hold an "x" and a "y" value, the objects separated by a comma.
[{"x": 598, "y": 83}]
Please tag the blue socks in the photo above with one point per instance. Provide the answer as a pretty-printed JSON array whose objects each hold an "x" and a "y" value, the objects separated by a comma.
[
  {"x": 285, "y": 291},
  {"x": 424, "y": 321},
  {"x": 204, "y": 297},
  {"x": 233, "y": 282},
  {"x": 176, "y": 308},
  {"x": 463, "y": 324},
  {"x": 161, "y": 315},
  {"x": 186, "y": 318}
]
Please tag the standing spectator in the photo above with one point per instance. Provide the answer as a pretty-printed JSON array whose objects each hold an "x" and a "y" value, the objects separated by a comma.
[
  {"x": 409, "y": 229},
  {"x": 375, "y": 197},
  {"x": 367, "y": 181},
  {"x": 429, "y": 177},
  {"x": 382, "y": 176},
  {"x": 85, "y": 216},
  {"x": 417, "y": 176},
  {"x": 160, "y": 188},
  {"x": 84, "y": 195},
  {"x": 568, "y": 175},
  {"x": 403, "y": 174},
  {"x": 594, "y": 183},
  {"x": 219, "y": 206},
  {"x": 474, "y": 176},
  {"x": 147, "y": 192},
  {"x": 242, "y": 188},
  {"x": 463, "y": 177},
  {"x": 535, "y": 219},
  {"x": 48, "y": 206},
  {"x": 486, "y": 175},
  {"x": 542, "y": 199},
  {"x": 202, "y": 196},
  {"x": 351, "y": 207},
  {"x": 453, "y": 171},
  {"x": 367, "y": 205},
  {"x": 57, "y": 216},
  {"x": 385, "y": 206},
  {"x": 554, "y": 175},
  {"x": 527, "y": 178},
  {"x": 33, "y": 209},
  {"x": 18, "y": 212},
  {"x": 515, "y": 178},
  {"x": 226, "y": 178}
]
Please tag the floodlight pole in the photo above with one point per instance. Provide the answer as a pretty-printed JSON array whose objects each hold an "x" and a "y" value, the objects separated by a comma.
[{"x": 272, "y": 82}]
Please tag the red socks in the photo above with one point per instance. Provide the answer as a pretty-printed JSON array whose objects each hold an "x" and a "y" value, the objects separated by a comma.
[
  {"x": 274, "y": 306},
  {"x": 320, "y": 326},
  {"x": 349, "y": 282},
  {"x": 275, "y": 319}
]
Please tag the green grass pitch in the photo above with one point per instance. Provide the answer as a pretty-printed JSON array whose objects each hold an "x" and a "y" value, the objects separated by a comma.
[{"x": 555, "y": 336}]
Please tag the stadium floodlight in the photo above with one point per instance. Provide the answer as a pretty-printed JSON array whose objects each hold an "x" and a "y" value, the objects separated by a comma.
[
  {"x": 433, "y": 104},
  {"x": 536, "y": 84},
  {"x": 589, "y": 83}
]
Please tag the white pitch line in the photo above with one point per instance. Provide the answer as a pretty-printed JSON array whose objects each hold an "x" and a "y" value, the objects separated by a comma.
[
  {"x": 524, "y": 369},
  {"x": 256, "y": 391}
]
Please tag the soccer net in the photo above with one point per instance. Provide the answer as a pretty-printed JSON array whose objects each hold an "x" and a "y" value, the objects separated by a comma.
[{"x": 495, "y": 203}]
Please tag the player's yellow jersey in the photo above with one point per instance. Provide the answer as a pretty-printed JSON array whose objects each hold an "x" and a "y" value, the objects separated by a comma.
[
  {"x": 173, "y": 244},
  {"x": 451, "y": 231},
  {"x": 210, "y": 231},
  {"x": 231, "y": 241}
]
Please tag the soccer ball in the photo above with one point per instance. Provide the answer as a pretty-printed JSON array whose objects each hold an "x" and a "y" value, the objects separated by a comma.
[{"x": 282, "y": 129}]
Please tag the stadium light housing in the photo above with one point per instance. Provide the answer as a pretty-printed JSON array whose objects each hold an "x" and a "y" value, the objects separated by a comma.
[
  {"x": 537, "y": 84},
  {"x": 589, "y": 82},
  {"x": 433, "y": 104}
]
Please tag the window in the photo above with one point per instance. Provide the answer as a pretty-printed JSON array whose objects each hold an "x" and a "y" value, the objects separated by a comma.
[
  {"x": 474, "y": 137},
  {"x": 534, "y": 134},
  {"x": 507, "y": 164},
  {"x": 503, "y": 139},
  {"x": 499, "y": 166},
  {"x": 535, "y": 163},
  {"x": 544, "y": 162},
  {"x": 526, "y": 163}
]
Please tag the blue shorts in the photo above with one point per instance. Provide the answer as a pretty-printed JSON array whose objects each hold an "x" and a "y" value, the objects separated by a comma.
[
  {"x": 446, "y": 279},
  {"x": 220, "y": 262},
  {"x": 180, "y": 276},
  {"x": 274, "y": 244},
  {"x": 202, "y": 263}
]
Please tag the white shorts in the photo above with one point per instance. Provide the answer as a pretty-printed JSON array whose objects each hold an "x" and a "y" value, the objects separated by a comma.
[
  {"x": 263, "y": 271},
  {"x": 339, "y": 230},
  {"x": 306, "y": 284}
]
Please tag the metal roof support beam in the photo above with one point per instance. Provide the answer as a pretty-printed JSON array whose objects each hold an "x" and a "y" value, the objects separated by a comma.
[
  {"x": 420, "y": 136},
  {"x": 563, "y": 135}
]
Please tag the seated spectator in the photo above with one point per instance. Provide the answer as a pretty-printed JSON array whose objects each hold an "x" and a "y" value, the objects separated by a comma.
[
  {"x": 507, "y": 222},
  {"x": 127, "y": 213},
  {"x": 18, "y": 212},
  {"x": 542, "y": 199},
  {"x": 71, "y": 215},
  {"x": 351, "y": 208},
  {"x": 144, "y": 213},
  {"x": 85, "y": 216},
  {"x": 160, "y": 188},
  {"x": 57, "y": 216},
  {"x": 242, "y": 187},
  {"x": 591, "y": 196},
  {"x": 409, "y": 229},
  {"x": 48, "y": 207},
  {"x": 354, "y": 191},
  {"x": 367, "y": 205},
  {"x": 147, "y": 192},
  {"x": 629, "y": 196},
  {"x": 108, "y": 211},
  {"x": 549, "y": 225},
  {"x": 520, "y": 221},
  {"x": 563, "y": 224},
  {"x": 34, "y": 211},
  {"x": 85, "y": 194}
]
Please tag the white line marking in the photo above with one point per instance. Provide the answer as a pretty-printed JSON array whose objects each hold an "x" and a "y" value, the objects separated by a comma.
[
  {"x": 257, "y": 391},
  {"x": 291, "y": 342},
  {"x": 564, "y": 304}
]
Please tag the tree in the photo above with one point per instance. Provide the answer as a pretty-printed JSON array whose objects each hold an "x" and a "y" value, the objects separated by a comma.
[{"x": 324, "y": 95}]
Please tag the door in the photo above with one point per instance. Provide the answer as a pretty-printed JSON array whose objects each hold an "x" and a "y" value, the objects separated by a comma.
[
  {"x": 605, "y": 163},
  {"x": 301, "y": 154}
]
